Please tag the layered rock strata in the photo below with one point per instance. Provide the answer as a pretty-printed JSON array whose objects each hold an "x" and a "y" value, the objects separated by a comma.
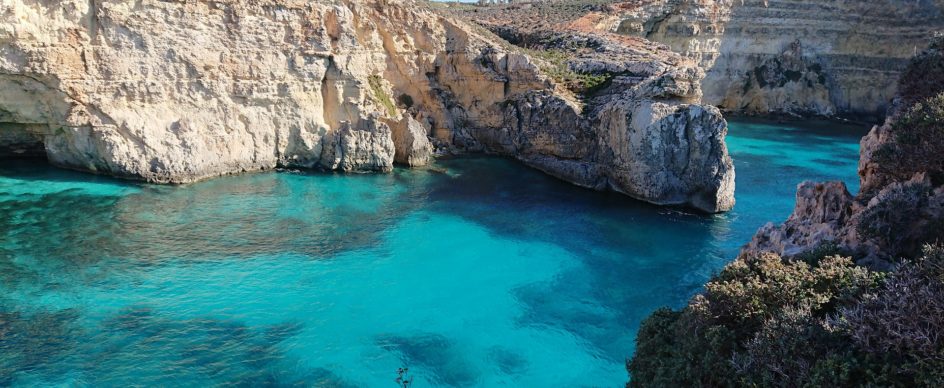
[
  {"x": 181, "y": 91},
  {"x": 900, "y": 204},
  {"x": 818, "y": 57},
  {"x": 796, "y": 57},
  {"x": 643, "y": 132}
]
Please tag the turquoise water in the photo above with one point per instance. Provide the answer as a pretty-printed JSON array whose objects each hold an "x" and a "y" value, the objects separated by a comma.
[{"x": 478, "y": 272}]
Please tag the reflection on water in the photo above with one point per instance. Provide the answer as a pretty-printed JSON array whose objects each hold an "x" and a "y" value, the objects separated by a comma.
[{"x": 477, "y": 272}]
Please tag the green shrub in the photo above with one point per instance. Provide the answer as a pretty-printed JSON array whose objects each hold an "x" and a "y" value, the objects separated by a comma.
[
  {"x": 894, "y": 222},
  {"x": 748, "y": 293},
  {"x": 673, "y": 349},
  {"x": 902, "y": 323},
  {"x": 766, "y": 322},
  {"x": 761, "y": 321},
  {"x": 555, "y": 64},
  {"x": 380, "y": 95},
  {"x": 918, "y": 141}
]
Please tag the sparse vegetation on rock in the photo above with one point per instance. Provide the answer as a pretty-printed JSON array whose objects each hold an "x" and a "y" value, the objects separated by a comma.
[
  {"x": 555, "y": 63},
  {"x": 918, "y": 140},
  {"x": 790, "y": 312},
  {"x": 767, "y": 321},
  {"x": 924, "y": 77}
]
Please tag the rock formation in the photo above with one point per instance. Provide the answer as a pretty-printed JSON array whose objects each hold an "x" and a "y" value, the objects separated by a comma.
[
  {"x": 818, "y": 57},
  {"x": 900, "y": 204},
  {"x": 411, "y": 143},
  {"x": 181, "y": 91}
]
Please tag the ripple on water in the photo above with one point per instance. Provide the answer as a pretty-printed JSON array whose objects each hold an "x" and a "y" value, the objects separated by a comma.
[{"x": 480, "y": 272}]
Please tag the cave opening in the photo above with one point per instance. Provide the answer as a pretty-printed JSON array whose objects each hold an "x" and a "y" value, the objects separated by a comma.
[{"x": 22, "y": 141}]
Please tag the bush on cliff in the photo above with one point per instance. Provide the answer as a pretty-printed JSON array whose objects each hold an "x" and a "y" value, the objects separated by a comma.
[
  {"x": 902, "y": 323},
  {"x": 555, "y": 63},
  {"x": 918, "y": 140},
  {"x": 730, "y": 335},
  {"x": 924, "y": 76},
  {"x": 770, "y": 322},
  {"x": 903, "y": 220}
]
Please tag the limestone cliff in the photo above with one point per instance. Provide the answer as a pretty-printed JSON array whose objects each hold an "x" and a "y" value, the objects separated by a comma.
[
  {"x": 181, "y": 91},
  {"x": 799, "y": 57},
  {"x": 831, "y": 57},
  {"x": 900, "y": 205}
]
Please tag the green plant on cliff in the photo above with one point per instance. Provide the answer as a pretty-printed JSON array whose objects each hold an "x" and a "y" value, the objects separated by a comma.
[
  {"x": 380, "y": 94},
  {"x": 918, "y": 141},
  {"x": 728, "y": 336},
  {"x": 770, "y": 322},
  {"x": 555, "y": 64},
  {"x": 902, "y": 324}
]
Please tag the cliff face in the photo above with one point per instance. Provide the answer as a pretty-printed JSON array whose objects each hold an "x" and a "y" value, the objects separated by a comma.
[
  {"x": 795, "y": 310},
  {"x": 177, "y": 92},
  {"x": 900, "y": 205},
  {"x": 830, "y": 57}
]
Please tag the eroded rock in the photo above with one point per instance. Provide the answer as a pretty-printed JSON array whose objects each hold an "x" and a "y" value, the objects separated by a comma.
[
  {"x": 176, "y": 92},
  {"x": 412, "y": 145},
  {"x": 900, "y": 204}
]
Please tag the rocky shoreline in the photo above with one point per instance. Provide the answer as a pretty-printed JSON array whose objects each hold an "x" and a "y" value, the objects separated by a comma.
[
  {"x": 846, "y": 291},
  {"x": 228, "y": 86}
]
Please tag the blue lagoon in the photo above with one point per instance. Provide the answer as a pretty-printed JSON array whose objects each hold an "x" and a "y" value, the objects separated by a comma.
[{"x": 477, "y": 271}]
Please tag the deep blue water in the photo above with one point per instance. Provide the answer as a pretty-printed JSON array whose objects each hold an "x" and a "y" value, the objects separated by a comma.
[{"x": 477, "y": 272}]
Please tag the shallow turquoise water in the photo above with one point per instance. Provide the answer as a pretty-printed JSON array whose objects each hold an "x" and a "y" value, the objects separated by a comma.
[{"x": 479, "y": 272}]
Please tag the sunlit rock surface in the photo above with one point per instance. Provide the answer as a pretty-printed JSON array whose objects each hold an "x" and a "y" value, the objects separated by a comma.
[{"x": 178, "y": 92}]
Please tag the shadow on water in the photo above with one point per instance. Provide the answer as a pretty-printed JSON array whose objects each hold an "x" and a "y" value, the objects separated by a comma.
[
  {"x": 64, "y": 229},
  {"x": 38, "y": 170},
  {"x": 63, "y": 232},
  {"x": 142, "y": 348},
  {"x": 635, "y": 256}
]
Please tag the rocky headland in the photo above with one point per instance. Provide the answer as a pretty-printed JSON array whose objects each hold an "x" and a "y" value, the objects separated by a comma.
[
  {"x": 900, "y": 204},
  {"x": 174, "y": 92},
  {"x": 847, "y": 292},
  {"x": 798, "y": 58}
]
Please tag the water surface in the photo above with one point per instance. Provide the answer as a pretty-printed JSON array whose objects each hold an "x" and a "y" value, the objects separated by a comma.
[{"x": 478, "y": 272}]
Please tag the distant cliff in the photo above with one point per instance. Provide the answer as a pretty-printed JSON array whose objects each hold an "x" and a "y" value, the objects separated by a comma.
[
  {"x": 848, "y": 292},
  {"x": 823, "y": 57},
  {"x": 175, "y": 92},
  {"x": 900, "y": 204},
  {"x": 796, "y": 57}
]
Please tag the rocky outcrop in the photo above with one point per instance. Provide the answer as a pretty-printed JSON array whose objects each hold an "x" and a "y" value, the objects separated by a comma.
[
  {"x": 641, "y": 132},
  {"x": 821, "y": 213},
  {"x": 181, "y": 91},
  {"x": 831, "y": 58},
  {"x": 900, "y": 204},
  {"x": 665, "y": 157},
  {"x": 799, "y": 57},
  {"x": 412, "y": 146},
  {"x": 369, "y": 148}
]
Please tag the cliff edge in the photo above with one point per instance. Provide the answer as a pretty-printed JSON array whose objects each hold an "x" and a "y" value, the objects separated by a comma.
[
  {"x": 174, "y": 92},
  {"x": 900, "y": 205}
]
